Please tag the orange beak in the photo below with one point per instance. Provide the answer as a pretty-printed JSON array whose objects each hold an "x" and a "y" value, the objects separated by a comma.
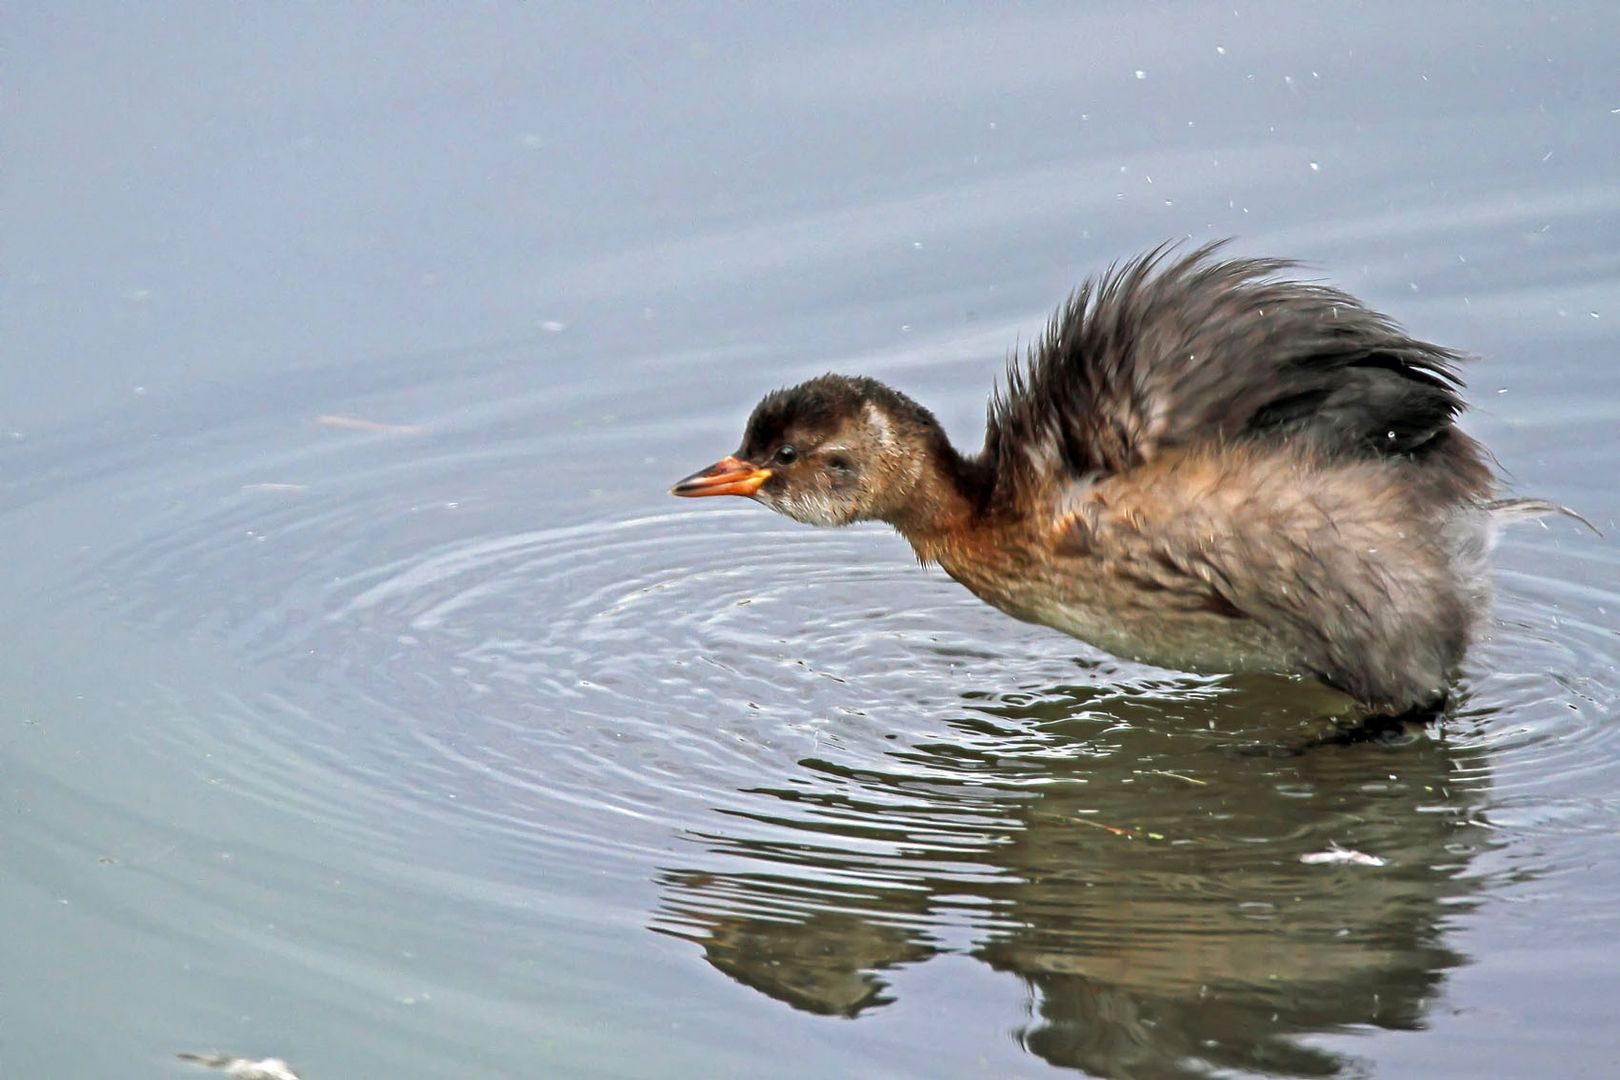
[{"x": 728, "y": 476}]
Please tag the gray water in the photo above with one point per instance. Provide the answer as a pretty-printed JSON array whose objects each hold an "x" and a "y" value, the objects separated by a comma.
[{"x": 369, "y": 703}]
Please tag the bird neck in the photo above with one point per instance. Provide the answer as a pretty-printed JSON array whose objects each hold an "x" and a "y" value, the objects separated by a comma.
[{"x": 945, "y": 502}]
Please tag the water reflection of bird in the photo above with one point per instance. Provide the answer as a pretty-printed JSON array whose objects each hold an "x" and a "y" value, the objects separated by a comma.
[
  {"x": 1180, "y": 935},
  {"x": 1202, "y": 465}
]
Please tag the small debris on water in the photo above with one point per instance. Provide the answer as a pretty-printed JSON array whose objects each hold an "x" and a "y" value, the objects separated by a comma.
[
  {"x": 1180, "y": 776},
  {"x": 1337, "y": 856},
  {"x": 243, "y": 1068},
  {"x": 360, "y": 423}
]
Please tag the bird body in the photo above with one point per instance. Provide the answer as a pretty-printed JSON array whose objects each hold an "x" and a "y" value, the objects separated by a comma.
[
  {"x": 1202, "y": 465},
  {"x": 1246, "y": 559}
]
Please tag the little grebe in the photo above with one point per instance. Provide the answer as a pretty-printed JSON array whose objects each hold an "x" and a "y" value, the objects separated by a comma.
[{"x": 1202, "y": 466}]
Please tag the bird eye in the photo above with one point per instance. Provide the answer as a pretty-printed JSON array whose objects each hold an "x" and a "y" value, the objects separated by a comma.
[{"x": 786, "y": 455}]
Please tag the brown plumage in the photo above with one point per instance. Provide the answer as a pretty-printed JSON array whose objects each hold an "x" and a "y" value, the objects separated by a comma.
[{"x": 1203, "y": 465}]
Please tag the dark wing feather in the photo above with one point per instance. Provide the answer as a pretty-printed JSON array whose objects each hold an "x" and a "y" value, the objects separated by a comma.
[{"x": 1161, "y": 354}]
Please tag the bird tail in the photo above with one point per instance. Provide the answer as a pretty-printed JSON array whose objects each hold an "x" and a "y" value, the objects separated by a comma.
[{"x": 1509, "y": 511}]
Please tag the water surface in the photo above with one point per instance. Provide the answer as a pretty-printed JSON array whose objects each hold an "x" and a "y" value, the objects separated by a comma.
[{"x": 371, "y": 705}]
